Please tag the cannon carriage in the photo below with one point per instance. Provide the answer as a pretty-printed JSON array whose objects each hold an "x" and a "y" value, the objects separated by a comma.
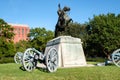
[{"x": 31, "y": 56}]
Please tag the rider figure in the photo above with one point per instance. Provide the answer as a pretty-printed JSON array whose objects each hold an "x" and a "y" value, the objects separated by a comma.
[
  {"x": 63, "y": 17},
  {"x": 63, "y": 20}
]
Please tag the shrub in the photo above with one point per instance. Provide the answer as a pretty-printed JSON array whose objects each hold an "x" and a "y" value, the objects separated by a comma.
[{"x": 7, "y": 60}]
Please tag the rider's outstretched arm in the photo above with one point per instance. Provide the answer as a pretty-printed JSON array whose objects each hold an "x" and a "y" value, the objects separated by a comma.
[{"x": 59, "y": 6}]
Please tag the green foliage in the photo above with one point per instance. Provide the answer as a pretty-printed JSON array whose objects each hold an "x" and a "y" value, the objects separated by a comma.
[
  {"x": 7, "y": 48},
  {"x": 104, "y": 37},
  {"x": 6, "y": 30},
  {"x": 21, "y": 46},
  {"x": 6, "y": 60},
  {"x": 96, "y": 59},
  {"x": 77, "y": 30},
  {"x": 39, "y": 38}
]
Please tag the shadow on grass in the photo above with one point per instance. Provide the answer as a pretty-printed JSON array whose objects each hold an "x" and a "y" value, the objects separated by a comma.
[
  {"x": 22, "y": 68},
  {"x": 38, "y": 68},
  {"x": 42, "y": 69}
]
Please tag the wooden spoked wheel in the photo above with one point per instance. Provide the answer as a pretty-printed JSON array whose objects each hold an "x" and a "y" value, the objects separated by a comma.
[
  {"x": 52, "y": 60},
  {"x": 116, "y": 57},
  {"x": 28, "y": 61},
  {"x": 18, "y": 58}
]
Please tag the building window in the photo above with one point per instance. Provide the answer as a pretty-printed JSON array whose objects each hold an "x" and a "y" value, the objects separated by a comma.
[
  {"x": 19, "y": 32},
  {"x": 22, "y": 31},
  {"x": 15, "y": 30},
  {"x": 25, "y": 31}
]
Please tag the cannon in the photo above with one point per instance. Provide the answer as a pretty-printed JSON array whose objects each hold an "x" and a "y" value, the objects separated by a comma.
[
  {"x": 31, "y": 56},
  {"x": 116, "y": 57}
]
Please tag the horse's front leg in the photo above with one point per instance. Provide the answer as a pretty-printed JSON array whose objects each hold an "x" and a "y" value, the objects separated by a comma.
[{"x": 67, "y": 22}]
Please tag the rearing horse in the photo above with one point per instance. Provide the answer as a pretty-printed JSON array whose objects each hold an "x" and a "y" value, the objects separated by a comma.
[{"x": 63, "y": 20}]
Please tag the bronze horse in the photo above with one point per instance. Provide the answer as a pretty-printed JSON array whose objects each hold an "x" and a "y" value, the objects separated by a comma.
[{"x": 63, "y": 20}]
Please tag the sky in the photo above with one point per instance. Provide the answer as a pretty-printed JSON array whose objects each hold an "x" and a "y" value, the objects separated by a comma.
[{"x": 43, "y": 13}]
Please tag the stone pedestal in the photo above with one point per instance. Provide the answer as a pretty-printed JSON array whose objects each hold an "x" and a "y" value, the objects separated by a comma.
[{"x": 70, "y": 51}]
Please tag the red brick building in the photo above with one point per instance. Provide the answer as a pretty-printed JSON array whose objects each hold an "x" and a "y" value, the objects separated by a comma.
[{"x": 21, "y": 32}]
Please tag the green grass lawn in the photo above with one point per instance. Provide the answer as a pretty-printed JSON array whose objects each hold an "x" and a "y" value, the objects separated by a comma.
[{"x": 11, "y": 71}]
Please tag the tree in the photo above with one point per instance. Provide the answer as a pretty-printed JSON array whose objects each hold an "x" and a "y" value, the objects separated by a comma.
[
  {"x": 6, "y": 31},
  {"x": 7, "y": 48},
  {"x": 104, "y": 37},
  {"x": 76, "y": 30},
  {"x": 22, "y": 45},
  {"x": 39, "y": 37}
]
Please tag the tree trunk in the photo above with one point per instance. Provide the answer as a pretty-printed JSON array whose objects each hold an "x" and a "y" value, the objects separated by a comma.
[{"x": 107, "y": 54}]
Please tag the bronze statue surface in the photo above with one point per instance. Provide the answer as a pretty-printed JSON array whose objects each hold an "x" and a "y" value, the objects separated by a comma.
[{"x": 63, "y": 20}]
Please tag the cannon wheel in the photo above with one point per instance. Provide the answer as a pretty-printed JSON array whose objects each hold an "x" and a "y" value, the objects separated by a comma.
[
  {"x": 116, "y": 57},
  {"x": 29, "y": 63},
  {"x": 52, "y": 60},
  {"x": 18, "y": 58}
]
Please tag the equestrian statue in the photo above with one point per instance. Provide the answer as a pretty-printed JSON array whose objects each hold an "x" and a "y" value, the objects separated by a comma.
[{"x": 63, "y": 20}]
